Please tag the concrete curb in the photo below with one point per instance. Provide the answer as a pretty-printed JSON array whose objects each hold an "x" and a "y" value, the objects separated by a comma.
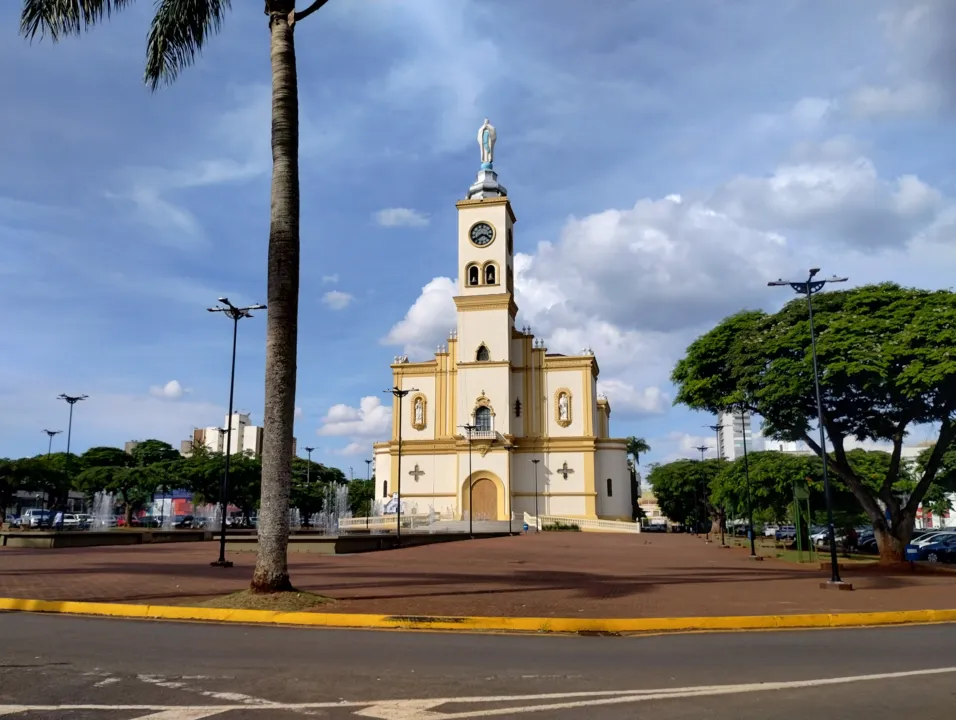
[{"x": 478, "y": 624}]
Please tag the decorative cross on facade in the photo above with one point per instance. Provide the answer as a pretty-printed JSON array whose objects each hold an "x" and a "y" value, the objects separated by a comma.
[
  {"x": 416, "y": 473},
  {"x": 564, "y": 470}
]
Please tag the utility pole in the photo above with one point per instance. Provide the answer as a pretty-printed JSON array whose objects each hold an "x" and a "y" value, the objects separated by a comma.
[
  {"x": 537, "y": 522},
  {"x": 368, "y": 500},
  {"x": 809, "y": 288},
  {"x": 51, "y": 434},
  {"x": 235, "y": 314}
]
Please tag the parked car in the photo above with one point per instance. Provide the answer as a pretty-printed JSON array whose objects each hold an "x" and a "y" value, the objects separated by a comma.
[
  {"x": 933, "y": 537},
  {"x": 943, "y": 550},
  {"x": 36, "y": 518},
  {"x": 786, "y": 532},
  {"x": 70, "y": 521}
]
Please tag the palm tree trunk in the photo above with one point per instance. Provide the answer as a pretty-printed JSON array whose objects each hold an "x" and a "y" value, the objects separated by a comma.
[{"x": 272, "y": 570}]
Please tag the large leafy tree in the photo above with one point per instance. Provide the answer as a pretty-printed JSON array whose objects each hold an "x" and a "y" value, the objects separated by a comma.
[
  {"x": 109, "y": 469},
  {"x": 46, "y": 474},
  {"x": 179, "y": 31},
  {"x": 886, "y": 363},
  {"x": 10, "y": 483},
  {"x": 683, "y": 490}
]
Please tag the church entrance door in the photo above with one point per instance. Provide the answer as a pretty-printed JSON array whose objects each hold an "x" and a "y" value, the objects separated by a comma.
[{"x": 484, "y": 496}]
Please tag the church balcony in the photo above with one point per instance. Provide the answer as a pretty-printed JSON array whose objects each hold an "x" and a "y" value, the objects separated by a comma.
[{"x": 482, "y": 435}]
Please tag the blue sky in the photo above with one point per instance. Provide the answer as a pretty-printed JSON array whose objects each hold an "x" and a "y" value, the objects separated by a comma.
[{"x": 664, "y": 160}]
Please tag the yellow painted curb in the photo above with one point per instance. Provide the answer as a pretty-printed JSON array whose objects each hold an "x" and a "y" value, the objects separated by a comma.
[{"x": 513, "y": 624}]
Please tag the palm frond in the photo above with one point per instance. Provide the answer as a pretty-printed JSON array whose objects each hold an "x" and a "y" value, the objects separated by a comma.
[
  {"x": 64, "y": 17},
  {"x": 178, "y": 33}
]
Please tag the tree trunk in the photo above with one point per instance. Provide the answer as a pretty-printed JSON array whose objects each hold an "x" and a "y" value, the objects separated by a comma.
[
  {"x": 128, "y": 511},
  {"x": 891, "y": 548},
  {"x": 272, "y": 570}
]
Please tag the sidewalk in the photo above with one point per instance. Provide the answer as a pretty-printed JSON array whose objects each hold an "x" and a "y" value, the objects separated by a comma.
[{"x": 548, "y": 575}]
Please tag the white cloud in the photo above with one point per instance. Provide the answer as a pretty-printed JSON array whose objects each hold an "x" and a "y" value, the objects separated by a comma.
[
  {"x": 330, "y": 279},
  {"x": 910, "y": 98},
  {"x": 337, "y": 300},
  {"x": 298, "y": 412},
  {"x": 428, "y": 320},
  {"x": 170, "y": 391},
  {"x": 106, "y": 417},
  {"x": 356, "y": 448},
  {"x": 637, "y": 284},
  {"x": 629, "y": 399},
  {"x": 370, "y": 420},
  {"x": 401, "y": 217}
]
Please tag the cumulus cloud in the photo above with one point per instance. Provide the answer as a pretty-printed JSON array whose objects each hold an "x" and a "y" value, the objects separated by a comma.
[
  {"x": 370, "y": 420},
  {"x": 918, "y": 76},
  {"x": 400, "y": 217},
  {"x": 637, "y": 284},
  {"x": 337, "y": 300},
  {"x": 330, "y": 279},
  {"x": 170, "y": 391}
]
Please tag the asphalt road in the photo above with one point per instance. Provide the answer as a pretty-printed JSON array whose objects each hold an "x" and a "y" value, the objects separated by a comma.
[{"x": 100, "y": 669}]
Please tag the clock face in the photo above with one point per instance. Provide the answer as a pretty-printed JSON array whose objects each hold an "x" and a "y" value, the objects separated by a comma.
[{"x": 482, "y": 234}]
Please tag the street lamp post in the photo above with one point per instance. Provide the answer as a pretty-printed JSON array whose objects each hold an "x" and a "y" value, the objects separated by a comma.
[
  {"x": 811, "y": 287},
  {"x": 722, "y": 520},
  {"x": 471, "y": 510},
  {"x": 235, "y": 314},
  {"x": 51, "y": 434},
  {"x": 399, "y": 393},
  {"x": 49, "y": 448},
  {"x": 702, "y": 449},
  {"x": 71, "y": 400},
  {"x": 308, "y": 477},
  {"x": 368, "y": 501},
  {"x": 537, "y": 522},
  {"x": 750, "y": 500}
]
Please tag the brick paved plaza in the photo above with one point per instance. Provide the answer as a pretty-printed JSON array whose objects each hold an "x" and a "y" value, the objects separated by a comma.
[{"x": 552, "y": 574}]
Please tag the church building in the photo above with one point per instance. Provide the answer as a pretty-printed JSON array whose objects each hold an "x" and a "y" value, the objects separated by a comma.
[{"x": 494, "y": 420}]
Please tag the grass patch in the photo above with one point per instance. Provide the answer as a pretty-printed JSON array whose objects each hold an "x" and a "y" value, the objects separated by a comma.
[
  {"x": 824, "y": 556},
  {"x": 294, "y": 601}
]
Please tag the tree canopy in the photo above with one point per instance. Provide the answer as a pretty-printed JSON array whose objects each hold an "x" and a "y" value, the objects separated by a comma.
[
  {"x": 683, "y": 490},
  {"x": 887, "y": 362}
]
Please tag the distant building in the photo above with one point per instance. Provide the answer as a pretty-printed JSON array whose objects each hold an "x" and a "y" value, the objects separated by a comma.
[
  {"x": 130, "y": 445},
  {"x": 245, "y": 437},
  {"x": 735, "y": 430}
]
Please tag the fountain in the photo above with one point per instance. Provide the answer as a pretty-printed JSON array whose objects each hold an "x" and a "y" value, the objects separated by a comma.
[
  {"x": 103, "y": 511},
  {"x": 336, "y": 508}
]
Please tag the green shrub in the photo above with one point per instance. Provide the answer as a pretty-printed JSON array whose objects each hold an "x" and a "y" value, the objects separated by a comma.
[{"x": 561, "y": 527}]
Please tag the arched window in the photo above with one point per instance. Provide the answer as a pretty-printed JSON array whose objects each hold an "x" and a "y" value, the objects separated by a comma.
[
  {"x": 491, "y": 277},
  {"x": 474, "y": 276},
  {"x": 517, "y": 408},
  {"x": 384, "y": 488},
  {"x": 610, "y": 489},
  {"x": 482, "y": 355},
  {"x": 483, "y": 419}
]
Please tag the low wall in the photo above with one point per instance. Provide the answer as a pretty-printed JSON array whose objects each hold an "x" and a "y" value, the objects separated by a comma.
[
  {"x": 348, "y": 544},
  {"x": 86, "y": 538}
]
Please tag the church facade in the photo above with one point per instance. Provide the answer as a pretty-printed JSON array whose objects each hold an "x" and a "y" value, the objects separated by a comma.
[{"x": 494, "y": 421}]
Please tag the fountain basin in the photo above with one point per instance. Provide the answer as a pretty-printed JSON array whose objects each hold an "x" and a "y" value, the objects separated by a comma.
[{"x": 94, "y": 538}]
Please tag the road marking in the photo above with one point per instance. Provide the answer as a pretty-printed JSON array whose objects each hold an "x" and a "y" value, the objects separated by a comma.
[
  {"x": 421, "y": 709},
  {"x": 181, "y": 714}
]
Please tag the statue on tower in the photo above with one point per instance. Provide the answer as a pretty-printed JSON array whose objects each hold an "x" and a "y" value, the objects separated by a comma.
[{"x": 486, "y": 141}]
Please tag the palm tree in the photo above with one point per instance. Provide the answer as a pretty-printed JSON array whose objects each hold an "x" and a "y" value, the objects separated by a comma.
[
  {"x": 178, "y": 32},
  {"x": 635, "y": 447}
]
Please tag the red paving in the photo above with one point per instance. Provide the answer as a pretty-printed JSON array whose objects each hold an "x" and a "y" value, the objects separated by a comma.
[{"x": 547, "y": 575}]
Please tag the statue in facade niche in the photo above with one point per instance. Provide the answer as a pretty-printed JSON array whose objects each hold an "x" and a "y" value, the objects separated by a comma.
[{"x": 563, "y": 409}]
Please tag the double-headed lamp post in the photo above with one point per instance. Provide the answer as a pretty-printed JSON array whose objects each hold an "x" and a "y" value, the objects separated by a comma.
[
  {"x": 400, "y": 395},
  {"x": 71, "y": 400},
  {"x": 537, "y": 522},
  {"x": 51, "y": 434},
  {"x": 235, "y": 314},
  {"x": 469, "y": 428},
  {"x": 722, "y": 520},
  {"x": 811, "y": 287},
  {"x": 701, "y": 449}
]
